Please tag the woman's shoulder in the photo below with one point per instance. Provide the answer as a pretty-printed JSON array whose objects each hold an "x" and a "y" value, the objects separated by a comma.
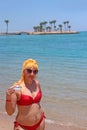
[{"x": 38, "y": 84}]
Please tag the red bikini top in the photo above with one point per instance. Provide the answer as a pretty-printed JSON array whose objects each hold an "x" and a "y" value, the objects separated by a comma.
[{"x": 28, "y": 100}]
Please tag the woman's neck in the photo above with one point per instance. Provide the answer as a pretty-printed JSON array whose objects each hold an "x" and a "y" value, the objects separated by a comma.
[
  {"x": 31, "y": 86},
  {"x": 29, "y": 83}
]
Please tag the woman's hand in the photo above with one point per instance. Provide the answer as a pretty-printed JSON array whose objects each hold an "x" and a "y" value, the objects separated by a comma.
[
  {"x": 10, "y": 91},
  {"x": 13, "y": 89}
]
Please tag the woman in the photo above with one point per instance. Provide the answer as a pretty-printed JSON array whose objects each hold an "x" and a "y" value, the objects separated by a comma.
[{"x": 26, "y": 94}]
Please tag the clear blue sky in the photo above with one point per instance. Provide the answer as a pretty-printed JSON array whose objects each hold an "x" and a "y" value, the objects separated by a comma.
[{"x": 24, "y": 14}]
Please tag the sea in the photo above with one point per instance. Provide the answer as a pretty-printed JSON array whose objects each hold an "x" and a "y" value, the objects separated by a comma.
[{"x": 62, "y": 60}]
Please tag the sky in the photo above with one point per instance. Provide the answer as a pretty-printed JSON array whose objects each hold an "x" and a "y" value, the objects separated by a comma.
[{"x": 23, "y": 15}]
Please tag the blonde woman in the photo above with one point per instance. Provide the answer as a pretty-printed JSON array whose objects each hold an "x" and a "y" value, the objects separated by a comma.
[{"x": 26, "y": 94}]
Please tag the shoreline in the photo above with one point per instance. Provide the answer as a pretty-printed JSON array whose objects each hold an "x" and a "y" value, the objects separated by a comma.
[
  {"x": 54, "y": 32},
  {"x": 38, "y": 33},
  {"x": 6, "y": 123}
]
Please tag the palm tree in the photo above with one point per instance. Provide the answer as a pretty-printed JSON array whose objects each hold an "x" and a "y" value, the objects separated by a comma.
[
  {"x": 60, "y": 27},
  {"x": 69, "y": 27},
  {"x": 67, "y": 23},
  {"x": 35, "y": 28},
  {"x": 55, "y": 28},
  {"x": 51, "y": 22},
  {"x": 6, "y": 21},
  {"x": 41, "y": 26},
  {"x": 64, "y": 25},
  {"x": 54, "y": 21},
  {"x": 44, "y": 24},
  {"x": 48, "y": 29}
]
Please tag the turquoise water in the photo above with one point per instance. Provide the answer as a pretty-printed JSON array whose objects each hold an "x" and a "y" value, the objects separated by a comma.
[{"x": 62, "y": 72}]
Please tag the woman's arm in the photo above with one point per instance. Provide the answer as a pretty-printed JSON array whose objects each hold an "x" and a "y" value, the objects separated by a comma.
[{"x": 11, "y": 99}]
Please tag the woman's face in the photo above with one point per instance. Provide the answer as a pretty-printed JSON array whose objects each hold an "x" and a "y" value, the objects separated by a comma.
[{"x": 30, "y": 73}]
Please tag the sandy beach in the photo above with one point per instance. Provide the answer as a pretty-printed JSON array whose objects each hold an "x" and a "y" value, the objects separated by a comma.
[{"x": 6, "y": 123}]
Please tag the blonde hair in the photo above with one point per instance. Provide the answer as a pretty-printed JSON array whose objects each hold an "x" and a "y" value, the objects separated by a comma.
[{"x": 30, "y": 63}]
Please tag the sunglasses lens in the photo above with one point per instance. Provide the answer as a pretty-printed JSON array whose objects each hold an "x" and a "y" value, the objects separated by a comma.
[
  {"x": 30, "y": 71},
  {"x": 35, "y": 71}
]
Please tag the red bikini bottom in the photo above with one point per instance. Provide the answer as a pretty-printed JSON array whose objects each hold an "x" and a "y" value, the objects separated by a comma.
[{"x": 34, "y": 127}]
